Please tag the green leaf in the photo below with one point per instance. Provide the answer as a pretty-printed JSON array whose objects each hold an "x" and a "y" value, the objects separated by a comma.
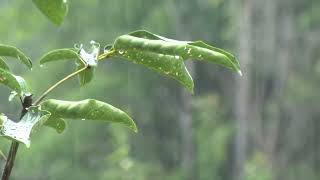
[
  {"x": 144, "y": 41},
  {"x": 83, "y": 58},
  {"x": 172, "y": 66},
  {"x": 91, "y": 59},
  {"x": 20, "y": 131},
  {"x": 56, "y": 123},
  {"x": 11, "y": 51},
  {"x": 4, "y": 65},
  {"x": 16, "y": 83},
  {"x": 60, "y": 54},
  {"x": 89, "y": 109},
  {"x": 55, "y": 10}
]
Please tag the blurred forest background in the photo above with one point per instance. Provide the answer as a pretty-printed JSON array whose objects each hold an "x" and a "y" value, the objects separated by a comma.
[{"x": 262, "y": 126}]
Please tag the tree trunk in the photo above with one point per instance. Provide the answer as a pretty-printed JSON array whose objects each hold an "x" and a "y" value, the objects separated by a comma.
[{"x": 242, "y": 88}]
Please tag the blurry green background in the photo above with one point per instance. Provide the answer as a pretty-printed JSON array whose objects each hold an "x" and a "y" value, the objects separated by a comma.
[{"x": 262, "y": 126}]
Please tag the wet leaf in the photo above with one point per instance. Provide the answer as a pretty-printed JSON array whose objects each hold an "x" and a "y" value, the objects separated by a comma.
[
  {"x": 55, "y": 10},
  {"x": 144, "y": 41},
  {"x": 11, "y": 51},
  {"x": 4, "y": 65},
  {"x": 56, "y": 123},
  {"x": 89, "y": 109},
  {"x": 20, "y": 131},
  {"x": 91, "y": 59},
  {"x": 60, "y": 54},
  {"x": 172, "y": 66},
  {"x": 15, "y": 83},
  {"x": 83, "y": 58}
]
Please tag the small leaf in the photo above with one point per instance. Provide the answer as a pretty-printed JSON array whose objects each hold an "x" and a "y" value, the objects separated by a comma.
[
  {"x": 11, "y": 51},
  {"x": 20, "y": 131},
  {"x": 91, "y": 59},
  {"x": 4, "y": 65},
  {"x": 87, "y": 110},
  {"x": 16, "y": 83},
  {"x": 55, "y": 10},
  {"x": 60, "y": 54}
]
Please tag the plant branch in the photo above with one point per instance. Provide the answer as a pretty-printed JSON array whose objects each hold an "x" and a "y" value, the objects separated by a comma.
[
  {"x": 57, "y": 84},
  {"x": 27, "y": 102},
  {"x": 106, "y": 55}
]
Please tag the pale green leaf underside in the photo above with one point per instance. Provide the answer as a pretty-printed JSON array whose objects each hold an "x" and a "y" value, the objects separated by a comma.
[
  {"x": 167, "y": 55},
  {"x": 54, "y": 10},
  {"x": 146, "y": 41},
  {"x": 15, "y": 83},
  {"x": 20, "y": 131},
  {"x": 10, "y": 51},
  {"x": 87, "y": 110},
  {"x": 172, "y": 66}
]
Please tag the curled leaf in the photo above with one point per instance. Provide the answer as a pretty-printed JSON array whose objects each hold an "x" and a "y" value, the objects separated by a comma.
[
  {"x": 89, "y": 109},
  {"x": 15, "y": 83},
  {"x": 10, "y": 51},
  {"x": 141, "y": 45}
]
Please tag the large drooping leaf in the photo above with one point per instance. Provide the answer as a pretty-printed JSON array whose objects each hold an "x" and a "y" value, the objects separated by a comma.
[
  {"x": 136, "y": 45},
  {"x": 55, "y": 10},
  {"x": 11, "y": 51},
  {"x": 172, "y": 66},
  {"x": 89, "y": 109},
  {"x": 15, "y": 83},
  {"x": 4, "y": 65},
  {"x": 20, "y": 131}
]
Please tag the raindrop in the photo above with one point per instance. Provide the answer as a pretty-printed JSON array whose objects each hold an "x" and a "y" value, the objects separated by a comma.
[
  {"x": 121, "y": 51},
  {"x": 177, "y": 57},
  {"x": 41, "y": 65},
  {"x": 177, "y": 74},
  {"x": 189, "y": 51},
  {"x": 200, "y": 56},
  {"x": 83, "y": 119}
]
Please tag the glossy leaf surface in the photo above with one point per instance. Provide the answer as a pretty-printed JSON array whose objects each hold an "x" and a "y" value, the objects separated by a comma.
[
  {"x": 55, "y": 10},
  {"x": 167, "y": 55},
  {"x": 20, "y": 131},
  {"x": 60, "y": 54},
  {"x": 15, "y": 83},
  {"x": 89, "y": 109},
  {"x": 10, "y": 51}
]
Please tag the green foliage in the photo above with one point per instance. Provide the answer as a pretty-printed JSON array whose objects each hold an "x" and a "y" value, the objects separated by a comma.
[
  {"x": 4, "y": 65},
  {"x": 20, "y": 131},
  {"x": 89, "y": 109},
  {"x": 55, "y": 10},
  {"x": 167, "y": 55},
  {"x": 15, "y": 83},
  {"x": 14, "y": 52}
]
